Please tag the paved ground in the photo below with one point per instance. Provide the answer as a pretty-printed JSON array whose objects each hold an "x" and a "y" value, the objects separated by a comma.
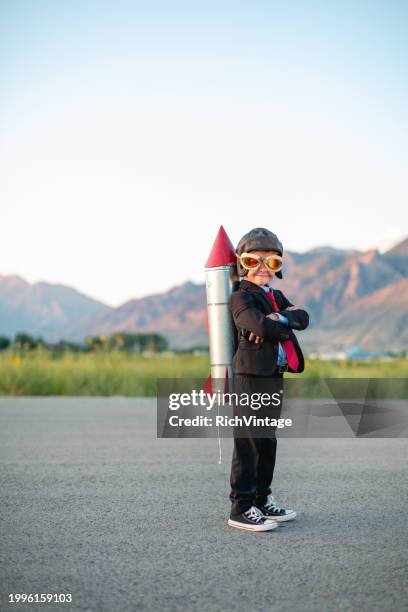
[{"x": 94, "y": 505}]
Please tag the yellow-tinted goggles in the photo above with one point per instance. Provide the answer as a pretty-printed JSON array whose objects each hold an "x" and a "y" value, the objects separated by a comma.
[{"x": 250, "y": 261}]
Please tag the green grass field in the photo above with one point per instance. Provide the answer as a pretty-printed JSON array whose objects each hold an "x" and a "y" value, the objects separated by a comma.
[{"x": 38, "y": 372}]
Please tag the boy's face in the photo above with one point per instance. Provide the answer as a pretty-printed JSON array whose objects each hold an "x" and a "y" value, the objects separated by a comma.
[{"x": 262, "y": 275}]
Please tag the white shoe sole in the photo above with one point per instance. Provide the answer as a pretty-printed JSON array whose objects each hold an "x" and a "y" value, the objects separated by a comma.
[
  {"x": 265, "y": 527},
  {"x": 281, "y": 519}
]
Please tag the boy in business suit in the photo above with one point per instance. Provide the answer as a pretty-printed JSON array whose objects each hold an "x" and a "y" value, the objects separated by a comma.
[{"x": 267, "y": 347}]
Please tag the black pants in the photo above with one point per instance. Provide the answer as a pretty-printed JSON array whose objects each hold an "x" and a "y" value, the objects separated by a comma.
[{"x": 253, "y": 459}]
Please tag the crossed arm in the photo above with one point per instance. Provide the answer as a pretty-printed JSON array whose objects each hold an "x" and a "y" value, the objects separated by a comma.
[
  {"x": 247, "y": 316},
  {"x": 266, "y": 327},
  {"x": 297, "y": 317},
  {"x": 299, "y": 320}
]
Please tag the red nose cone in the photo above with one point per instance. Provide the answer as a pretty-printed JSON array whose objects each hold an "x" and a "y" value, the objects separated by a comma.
[{"x": 222, "y": 252}]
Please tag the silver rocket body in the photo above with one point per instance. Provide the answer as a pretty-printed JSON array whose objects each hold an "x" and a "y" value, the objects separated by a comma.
[{"x": 220, "y": 324}]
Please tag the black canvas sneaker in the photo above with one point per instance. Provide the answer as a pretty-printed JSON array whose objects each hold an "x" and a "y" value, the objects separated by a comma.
[
  {"x": 270, "y": 510},
  {"x": 251, "y": 520}
]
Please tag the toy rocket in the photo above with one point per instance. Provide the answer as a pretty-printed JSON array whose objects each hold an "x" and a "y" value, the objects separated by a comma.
[{"x": 219, "y": 268}]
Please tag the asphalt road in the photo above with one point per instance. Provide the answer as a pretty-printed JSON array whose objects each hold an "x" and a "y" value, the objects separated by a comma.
[{"x": 93, "y": 504}]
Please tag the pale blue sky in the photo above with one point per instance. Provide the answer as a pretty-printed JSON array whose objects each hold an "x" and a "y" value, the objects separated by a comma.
[{"x": 132, "y": 128}]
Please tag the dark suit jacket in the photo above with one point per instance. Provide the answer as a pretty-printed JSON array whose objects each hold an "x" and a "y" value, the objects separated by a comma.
[{"x": 249, "y": 306}]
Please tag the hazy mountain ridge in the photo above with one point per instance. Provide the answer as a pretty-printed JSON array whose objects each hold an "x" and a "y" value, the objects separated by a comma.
[
  {"x": 353, "y": 298},
  {"x": 43, "y": 309}
]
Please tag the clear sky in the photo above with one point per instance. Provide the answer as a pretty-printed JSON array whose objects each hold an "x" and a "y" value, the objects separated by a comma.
[{"x": 131, "y": 130}]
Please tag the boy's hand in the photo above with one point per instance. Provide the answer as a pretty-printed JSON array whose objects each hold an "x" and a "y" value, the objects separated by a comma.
[
  {"x": 253, "y": 337},
  {"x": 273, "y": 316},
  {"x": 292, "y": 308}
]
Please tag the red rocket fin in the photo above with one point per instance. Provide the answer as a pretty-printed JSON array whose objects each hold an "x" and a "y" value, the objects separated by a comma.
[
  {"x": 222, "y": 252},
  {"x": 208, "y": 385},
  {"x": 226, "y": 381}
]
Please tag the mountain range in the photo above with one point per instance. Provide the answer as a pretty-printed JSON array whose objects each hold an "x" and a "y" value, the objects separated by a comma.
[{"x": 354, "y": 298}]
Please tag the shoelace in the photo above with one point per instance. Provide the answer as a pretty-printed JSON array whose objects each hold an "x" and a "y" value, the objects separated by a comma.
[
  {"x": 254, "y": 514},
  {"x": 271, "y": 504}
]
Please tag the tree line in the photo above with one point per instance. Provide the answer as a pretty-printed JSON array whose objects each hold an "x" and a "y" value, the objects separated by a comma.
[{"x": 119, "y": 341}]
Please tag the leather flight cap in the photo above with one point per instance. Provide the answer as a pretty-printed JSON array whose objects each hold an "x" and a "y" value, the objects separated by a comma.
[{"x": 258, "y": 239}]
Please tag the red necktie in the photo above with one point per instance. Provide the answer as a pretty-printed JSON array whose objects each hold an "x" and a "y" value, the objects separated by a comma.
[{"x": 291, "y": 356}]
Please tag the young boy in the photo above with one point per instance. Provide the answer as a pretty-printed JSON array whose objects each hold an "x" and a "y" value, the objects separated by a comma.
[{"x": 267, "y": 347}]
